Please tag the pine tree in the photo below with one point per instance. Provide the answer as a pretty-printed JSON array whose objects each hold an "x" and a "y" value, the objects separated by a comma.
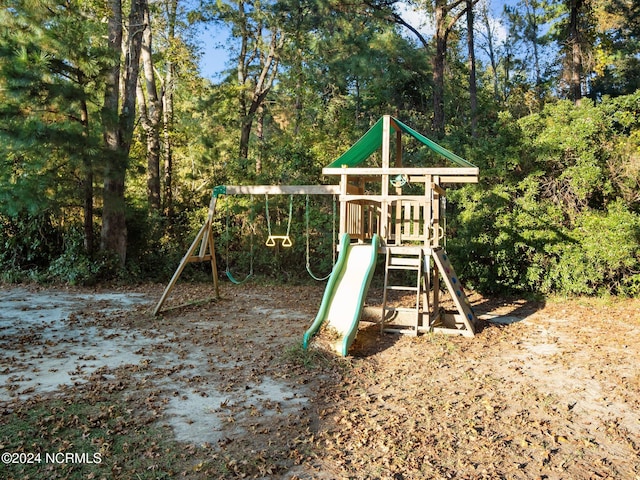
[{"x": 50, "y": 59}]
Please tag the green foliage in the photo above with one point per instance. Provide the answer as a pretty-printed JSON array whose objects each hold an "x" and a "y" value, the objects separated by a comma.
[
  {"x": 557, "y": 222},
  {"x": 36, "y": 247},
  {"x": 28, "y": 243},
  {"x": 74, "y": 266},
  {"x": 603, "y": 256},
  {"x": 556, "y": 210}
]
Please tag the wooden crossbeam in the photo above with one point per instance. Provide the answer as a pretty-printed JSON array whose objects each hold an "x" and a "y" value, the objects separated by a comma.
[
  {"x": 281, "y": 190},
  {"x": 451, "y": 171}
]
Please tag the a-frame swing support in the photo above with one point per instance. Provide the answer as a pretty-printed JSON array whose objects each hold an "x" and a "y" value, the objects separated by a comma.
[{"x": 205, "y": 241}]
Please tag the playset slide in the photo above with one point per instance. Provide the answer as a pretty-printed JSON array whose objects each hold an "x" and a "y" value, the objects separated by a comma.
[{"x": 345, "y": 292}]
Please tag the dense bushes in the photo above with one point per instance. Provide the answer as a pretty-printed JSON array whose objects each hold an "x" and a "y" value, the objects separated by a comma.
[
  {"x": 566, "y": 218},
  {"x": 557, "y": 210}
]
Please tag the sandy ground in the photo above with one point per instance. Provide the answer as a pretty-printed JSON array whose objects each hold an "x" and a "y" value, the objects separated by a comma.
[{"x": 544, "y": 390}]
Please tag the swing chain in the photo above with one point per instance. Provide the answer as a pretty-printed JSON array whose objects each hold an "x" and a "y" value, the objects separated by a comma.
[
  {"x": 251, "y": 254},
  {"x": 271, "y": 239},
  {"x": 333, "y": 240}
]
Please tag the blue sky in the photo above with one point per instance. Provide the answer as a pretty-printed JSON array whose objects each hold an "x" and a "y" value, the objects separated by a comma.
[
  {"x": 214, "y": 40},
  {"x": 215, "y": 54}
]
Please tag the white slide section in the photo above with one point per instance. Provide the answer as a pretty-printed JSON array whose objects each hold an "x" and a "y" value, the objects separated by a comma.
[
  {"x": 345, "y": 293},
  {"x": 346, "y": 298}
]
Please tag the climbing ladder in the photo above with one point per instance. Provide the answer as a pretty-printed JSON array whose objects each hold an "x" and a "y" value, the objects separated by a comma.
[{"x": 404, "y": 319}]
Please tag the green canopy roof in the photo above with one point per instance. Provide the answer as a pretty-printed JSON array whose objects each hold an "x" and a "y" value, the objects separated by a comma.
[{"x": 372, "y": 140}]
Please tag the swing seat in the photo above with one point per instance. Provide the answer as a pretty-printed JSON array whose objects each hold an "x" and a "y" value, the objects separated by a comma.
[
  {"x": 286, "y": 240},
  {"x": 233, "y": 280}
]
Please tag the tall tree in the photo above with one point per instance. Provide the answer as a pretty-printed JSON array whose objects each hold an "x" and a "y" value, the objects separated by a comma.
[
  {"x": 446, "y": 18},
  {"x": 257, "y": 41},
  {"x": 473, "y": 87},
  {"x": 171, "y": 13},
  {"x": 118, "y": 119},
  {"x": 489, "y": 46},
  {"x": 150, "y": 108},
  {"x": 574, "y": 53},
  {"x": 50, "y": 56},
  {"x": 575, "y": 34},
  {"x": 528, "y": 26},
  {"x": 257, "y": 67}
]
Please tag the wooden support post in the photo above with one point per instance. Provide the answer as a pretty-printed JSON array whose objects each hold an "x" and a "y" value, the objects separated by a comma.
[
  {"x": 385, "y": 204},
  {"x": 344, "y": 180},
  {"x": 428, "y": 213},
  {"x": 435, "y": 206},
  {"x": 398, "y": 163},
  {"x": 435, "y": 285}
]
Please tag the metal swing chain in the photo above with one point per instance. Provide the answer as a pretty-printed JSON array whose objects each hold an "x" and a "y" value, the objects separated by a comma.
[
  {"x": 251, "y": 251},
  {"x": 290, "y": 214},
  {"x": 266, "y": 207},
  {"x": 333, "y": 240},
  {"x": 271, "y": 239}
]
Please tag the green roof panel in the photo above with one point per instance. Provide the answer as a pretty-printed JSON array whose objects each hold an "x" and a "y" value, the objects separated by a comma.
[
  {"x": 432, "y": 145},
  {"x": 362, "y": 149},
  {"x": 372, "y": 140}
]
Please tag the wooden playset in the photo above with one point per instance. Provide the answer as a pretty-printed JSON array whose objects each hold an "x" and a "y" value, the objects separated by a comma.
[{"x": 396, "y": 207}]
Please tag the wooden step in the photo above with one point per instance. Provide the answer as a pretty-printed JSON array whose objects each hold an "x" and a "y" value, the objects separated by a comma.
[
  {"x": 402, "y": 288},
  {"x": 395, "y": 250},
  {"x": 405, "y": 261},
  {"x": 401, "y": 309},
  {"x": 403, "y": 267}
]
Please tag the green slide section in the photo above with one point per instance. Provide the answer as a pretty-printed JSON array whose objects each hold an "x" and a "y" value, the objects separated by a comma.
[{"x": 345, "y": 292}]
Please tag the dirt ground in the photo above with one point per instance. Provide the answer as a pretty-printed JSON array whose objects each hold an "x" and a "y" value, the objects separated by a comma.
[{"x": 546, "y": 389}]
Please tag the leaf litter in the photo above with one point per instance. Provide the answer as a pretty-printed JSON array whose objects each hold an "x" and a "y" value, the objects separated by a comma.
[{"x": 222, "y": 389}]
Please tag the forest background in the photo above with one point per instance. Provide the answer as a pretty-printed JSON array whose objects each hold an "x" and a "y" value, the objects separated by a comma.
[{"x": 112, "y": 138}]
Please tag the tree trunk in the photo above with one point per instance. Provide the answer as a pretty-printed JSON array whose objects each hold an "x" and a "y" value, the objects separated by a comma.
[
  {"x": 167, "y": 104},
  {"x": 168, "y": 146},
  {"x": 150, "y": 114},
  {"x": 438, "y": 63},
  {"x": 261, "y": 139},
  {"x": 114, "y": 231},
  {"x": 473, "y": 89},
  {"x": 87, "y": 186},
  {"x": 118, "y": 123},
  {"x": 444, "y": 24},
  {"x": 245, "y": 135},
  {"x": 575, "y": 55}
]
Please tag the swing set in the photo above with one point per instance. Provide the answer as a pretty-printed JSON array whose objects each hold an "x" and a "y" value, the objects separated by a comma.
[
  {"x": 202, "y": 248},
  {"x": 273, "y": 240},
  {"x": 385, "y": 208}
]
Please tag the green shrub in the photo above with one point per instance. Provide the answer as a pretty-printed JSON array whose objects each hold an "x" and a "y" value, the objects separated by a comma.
[
  {"x": 603, "y": 256},
  {"x": 28, "y": 243},
  {"x": 75, "y": 267}
]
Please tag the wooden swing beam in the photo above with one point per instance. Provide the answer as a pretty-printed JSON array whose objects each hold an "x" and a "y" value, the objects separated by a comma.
[
  {"x": 277, "y": 190},
  {"x": 204, "y": 238}
]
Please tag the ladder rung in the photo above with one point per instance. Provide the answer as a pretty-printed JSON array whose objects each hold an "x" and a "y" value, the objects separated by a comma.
[
  {"x": 404, "y": 267},
  {"x": 402, "y": 287},
  {"x": 404, "y": 261}
]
